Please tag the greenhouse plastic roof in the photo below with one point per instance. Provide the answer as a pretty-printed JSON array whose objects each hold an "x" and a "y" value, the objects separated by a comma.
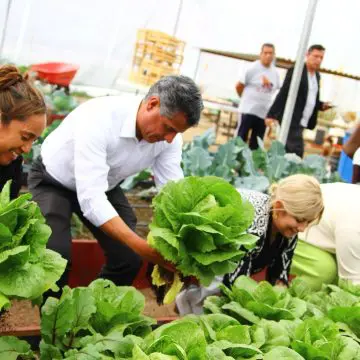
[{"x": 280, "y": 62}]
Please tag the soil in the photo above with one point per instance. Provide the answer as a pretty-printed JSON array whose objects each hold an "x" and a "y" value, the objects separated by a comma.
[
  {"x": 153, "y": 310},
  {"x": 21, "y": 319}
]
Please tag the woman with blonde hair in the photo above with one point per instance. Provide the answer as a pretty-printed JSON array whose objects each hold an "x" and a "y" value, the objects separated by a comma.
[
  {"x": 330, "y": 250},
  {"x": 291, "y": 206}
]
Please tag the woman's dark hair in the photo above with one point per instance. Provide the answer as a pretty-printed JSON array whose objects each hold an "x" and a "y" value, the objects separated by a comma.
[{"x": 19, "y": 99}]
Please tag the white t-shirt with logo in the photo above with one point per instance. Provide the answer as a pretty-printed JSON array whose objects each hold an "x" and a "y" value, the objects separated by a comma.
[
  {"x": 310, "y": 100},
  {"x": 256, "y": 98}
]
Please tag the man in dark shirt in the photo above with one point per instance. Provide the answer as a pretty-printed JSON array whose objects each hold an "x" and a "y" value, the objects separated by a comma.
[{"x": 307, "y": 102}]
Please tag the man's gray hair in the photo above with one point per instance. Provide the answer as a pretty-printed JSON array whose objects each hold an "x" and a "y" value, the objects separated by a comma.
[{"x": 178, "y": 93}]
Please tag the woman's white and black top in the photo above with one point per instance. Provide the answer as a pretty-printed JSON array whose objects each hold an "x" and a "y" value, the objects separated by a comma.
[
  {"x": 12, "y": 172},
  {"x": 276, "y": 255}
]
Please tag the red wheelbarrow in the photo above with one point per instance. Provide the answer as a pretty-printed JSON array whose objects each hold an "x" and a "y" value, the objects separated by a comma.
[{"x": 56, "y": 73}]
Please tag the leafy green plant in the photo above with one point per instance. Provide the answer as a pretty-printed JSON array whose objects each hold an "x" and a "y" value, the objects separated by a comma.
[
  {"x": 255, "y": 170},
  {"x": 199, "y": 225},
  {"x": 132, "y": 181},
  {"x": 249, "y": 302},
  {"x": 12, "y": 348},
  {"x": 237, "y": 164},
  {"x": 101, "y": 321},
  {"x": 27, "y": 268},
  {"x": 198, "y": 161},
  {"x": 105, "y": 322},
  {"x": 60, "y": 103}
]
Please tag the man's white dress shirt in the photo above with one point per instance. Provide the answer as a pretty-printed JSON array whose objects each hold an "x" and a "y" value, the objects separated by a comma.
[
  {"x": 310, "y": 100},
  {"x": 96, "y": 147}
]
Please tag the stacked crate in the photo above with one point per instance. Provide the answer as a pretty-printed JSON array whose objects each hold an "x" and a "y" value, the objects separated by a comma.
[{"x": 156, "y": 54}]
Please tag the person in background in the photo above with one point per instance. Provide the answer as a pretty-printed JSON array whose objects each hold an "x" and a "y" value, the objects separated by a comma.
[
  {"x": 256, "y": 86},
  {"x": 307, "y": 102},
  {"x": 96, "y": 147},
  {"x": 352, "y": 149},
  {"x": 353, "y": 143},
  {"x": 331, "y": 249},
  {"x": 22, "y": 120},
  {"x": 356, "y": 167},
  {"x": 293, "y": 204}
]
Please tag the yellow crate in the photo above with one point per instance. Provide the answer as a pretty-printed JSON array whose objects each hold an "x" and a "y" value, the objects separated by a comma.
[
  {"x": 146, "y": 35},
  {"x": 160, "y": 39},
  {"x": 149, "y": 74},
  {"x": 156, "y": 54}
]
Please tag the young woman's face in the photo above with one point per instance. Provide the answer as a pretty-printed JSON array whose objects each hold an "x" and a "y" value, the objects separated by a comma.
[
  {"x": 17, "y": 137},
  {"x": 287, "y": 224}
]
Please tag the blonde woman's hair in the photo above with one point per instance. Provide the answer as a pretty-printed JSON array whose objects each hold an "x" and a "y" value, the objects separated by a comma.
[{"x": 301, "y": 197}]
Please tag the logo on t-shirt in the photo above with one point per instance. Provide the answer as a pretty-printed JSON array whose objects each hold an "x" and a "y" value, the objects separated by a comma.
[{"x": 266, "y": 86}]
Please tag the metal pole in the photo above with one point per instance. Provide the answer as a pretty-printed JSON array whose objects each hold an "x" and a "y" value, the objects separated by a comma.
[
  {"x": 197, "y": 66},
  {"x": 299, "y": 65},
  {"x": 24, "y": 22},
  {"x": 177, "y": 18},
  {"x": 3, "y": 35},
  {"x": 112, "y": 44}
]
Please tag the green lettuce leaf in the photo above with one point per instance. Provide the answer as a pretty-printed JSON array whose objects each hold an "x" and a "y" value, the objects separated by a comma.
[
  {"x": 27, "y": 268},
  {"x": 237, "y": 350},
  {"x": 282, "y": 353},
  {"x": 185, "y": 334},
  {"x": 200, "y": 226},
  {"x": 31, "y": 280},
  {"x": 12, "y": 348}
]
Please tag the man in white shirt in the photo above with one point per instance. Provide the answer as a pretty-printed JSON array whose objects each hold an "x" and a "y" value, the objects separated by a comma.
[
  {"x": 331, "y": 248},
  {"x": 99, "y": 144},
  {"x": 256, "y": 87},
  {"x": 307, "y": 102}
]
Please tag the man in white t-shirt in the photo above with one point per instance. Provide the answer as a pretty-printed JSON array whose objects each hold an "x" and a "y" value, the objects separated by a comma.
[{"x": 256, "y": 87}]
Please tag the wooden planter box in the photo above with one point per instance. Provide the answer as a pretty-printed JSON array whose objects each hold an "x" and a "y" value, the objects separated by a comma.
[
  {"x": 87, "y": 260},
  {"x": 87, "y": 255}
]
